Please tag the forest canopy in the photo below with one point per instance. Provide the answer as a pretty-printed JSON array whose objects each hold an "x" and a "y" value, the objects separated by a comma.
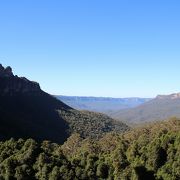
[{"x": 150, "y": 152}]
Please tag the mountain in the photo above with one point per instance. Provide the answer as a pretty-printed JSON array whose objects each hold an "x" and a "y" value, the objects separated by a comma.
[
  {"x": 28, "y": 112},
  {"x": 102, "y": 104},
  {"x": 162, "y": 107}
]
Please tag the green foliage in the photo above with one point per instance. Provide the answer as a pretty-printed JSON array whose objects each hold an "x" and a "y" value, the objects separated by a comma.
[
  {"x": 155, "y": 154},
  {"x": 102, "y": 170},
  {"x": 91, "y": 124}
]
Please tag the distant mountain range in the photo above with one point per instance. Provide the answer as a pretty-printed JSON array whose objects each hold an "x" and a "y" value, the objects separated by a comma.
[
  {"x": 160, "y": 108},
  {"x": 129, "y": 110},
  {"x": 105, "y": 105},
  {"x": 28, "y": 112}
]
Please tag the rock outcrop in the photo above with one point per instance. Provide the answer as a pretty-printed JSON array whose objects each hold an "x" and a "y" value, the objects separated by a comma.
[
  {"x": 12, "y": 85},
  {"x": 5, "y": 72},
  {"x": 26, "y": 111},
  {"x": 171, "y": 96}
]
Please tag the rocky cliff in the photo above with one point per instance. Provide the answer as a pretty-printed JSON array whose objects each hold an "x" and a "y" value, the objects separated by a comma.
[
  {"x": 171, "y": 96},
  {"x": 26, "y": 111},
  {"x": 12, "y": 85}
]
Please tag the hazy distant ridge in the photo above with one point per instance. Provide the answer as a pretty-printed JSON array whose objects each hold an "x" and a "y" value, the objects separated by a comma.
[
  {"x": 102, "y": 104},
  {"x": 162, "y": 107}
]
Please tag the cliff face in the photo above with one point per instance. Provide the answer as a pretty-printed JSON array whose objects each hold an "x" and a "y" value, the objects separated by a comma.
[
  {"x": 5, "y": 72},
  {"x": 12, "y": 85},
  {"x": 28, "y": 112},
  {"x": 171, "y": 96}
]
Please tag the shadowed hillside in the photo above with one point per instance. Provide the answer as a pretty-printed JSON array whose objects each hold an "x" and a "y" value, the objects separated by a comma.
[{"x": 28, "y": 112}]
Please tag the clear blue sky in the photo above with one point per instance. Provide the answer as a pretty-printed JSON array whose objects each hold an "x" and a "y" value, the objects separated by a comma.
[{"x": 118, "y": 48}]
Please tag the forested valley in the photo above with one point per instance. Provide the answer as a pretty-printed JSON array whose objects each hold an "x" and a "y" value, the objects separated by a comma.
[{"x": 148, "y": 152}]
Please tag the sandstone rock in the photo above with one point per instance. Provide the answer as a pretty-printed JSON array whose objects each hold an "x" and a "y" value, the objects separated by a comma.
[
  {"x": 10, "y": 84},
  {"x": 8, "y": 72},
  {"x": 171, "y": 96},
  {"x": 1, "y": 70}
]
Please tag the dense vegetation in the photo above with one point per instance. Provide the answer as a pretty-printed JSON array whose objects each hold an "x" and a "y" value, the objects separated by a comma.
[
  {"x": 90, "y": 124},
  {"x": 151, "y": 152}
]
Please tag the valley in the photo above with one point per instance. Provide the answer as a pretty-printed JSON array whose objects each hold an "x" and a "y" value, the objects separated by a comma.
[{"x": 42, "y": 137}]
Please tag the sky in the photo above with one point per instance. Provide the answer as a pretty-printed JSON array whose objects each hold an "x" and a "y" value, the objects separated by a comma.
[{"x": 110, "y": 48}]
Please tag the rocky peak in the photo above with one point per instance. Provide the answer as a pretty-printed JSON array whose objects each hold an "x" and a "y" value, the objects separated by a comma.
[
  {"x": 10, "y": 84},
  {"x": 6, "y": 72}
]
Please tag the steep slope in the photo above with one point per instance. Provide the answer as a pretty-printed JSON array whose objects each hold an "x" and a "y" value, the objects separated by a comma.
[
  {"x": 162, "y": 107},
  {"x": 28, "y": 112},
  {"x": 105, "y": 105},
  {"x": 91, "y": 124}
]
